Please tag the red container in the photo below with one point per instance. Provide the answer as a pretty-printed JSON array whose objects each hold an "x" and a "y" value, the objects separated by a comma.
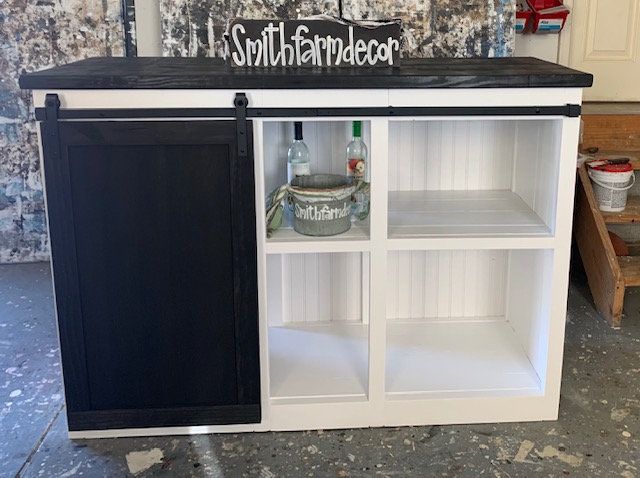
[
  {"x": 524, "y": 17},
  {"x": 547, "y": 22}
]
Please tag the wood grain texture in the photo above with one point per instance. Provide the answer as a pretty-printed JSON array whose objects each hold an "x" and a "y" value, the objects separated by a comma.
[
  {"x": 630, "y": 214},
  {"x": 619, "y": 133},
  {"x": 155, "y": 312},
  {"x": 164, "y": 417},
  {"x": 245, "y": 271},
  {"x": 212, "y": 73},
  {"x": 601, "y": 265},
  {"x": 630, "y": 267},
  {"x": 633, "y": 248},
  {"x": 65, "y": 272}
]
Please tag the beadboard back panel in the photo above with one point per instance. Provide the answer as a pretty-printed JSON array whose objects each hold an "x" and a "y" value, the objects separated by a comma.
[
  {"x": 447, "y": 284},
  {"x": 305, "y": 288},
  {"x": 450, "y": 155},
  {"x": 327, "y": 142},
  {"x": 422, "y": 284}
]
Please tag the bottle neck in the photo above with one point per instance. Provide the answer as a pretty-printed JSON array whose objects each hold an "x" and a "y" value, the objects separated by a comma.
[{"x": 357, "y": 130}]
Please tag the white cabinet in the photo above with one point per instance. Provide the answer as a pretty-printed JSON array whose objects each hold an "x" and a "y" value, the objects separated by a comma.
[
  {"x": 467, "y": 323},
  {"x": 448, "y": 304},
  {"x": 318, "y": 327},
  {"x": 473, "y": 178}
]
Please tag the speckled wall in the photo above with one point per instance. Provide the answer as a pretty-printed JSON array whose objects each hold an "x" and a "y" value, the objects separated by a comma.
[
  {"x": 33, "y": 36},
  {"x": 440, "y": 28}
]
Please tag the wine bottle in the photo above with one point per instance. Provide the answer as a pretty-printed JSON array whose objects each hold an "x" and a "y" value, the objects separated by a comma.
[
  {"x": 357, "y": 168},
  {"x": 298, "y": 160}
]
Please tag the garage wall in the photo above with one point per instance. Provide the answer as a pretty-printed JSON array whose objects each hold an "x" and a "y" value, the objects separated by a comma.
[
  {"x": 433, "y": 28},
  {"x": 35, "y": 35}
]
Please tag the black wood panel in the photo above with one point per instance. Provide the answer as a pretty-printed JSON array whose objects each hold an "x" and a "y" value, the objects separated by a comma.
[
  {"x": 570, "y": 110},
  {"x": 165, "y": 317},
  {"x": 63, "y": 246},
  {"x": 153, "y": 238},
  {"x": 165, "y": 417},
  {"x": 181, "y": 73}
]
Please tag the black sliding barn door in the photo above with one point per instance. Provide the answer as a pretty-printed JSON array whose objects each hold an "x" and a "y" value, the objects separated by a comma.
[{"x": 153, "y": 245}]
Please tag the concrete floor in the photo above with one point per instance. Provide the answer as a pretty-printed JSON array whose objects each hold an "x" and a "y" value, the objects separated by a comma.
[{"x": 598, "y": 433}]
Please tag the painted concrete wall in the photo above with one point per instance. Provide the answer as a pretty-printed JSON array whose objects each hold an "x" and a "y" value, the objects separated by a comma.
[
  {"x": 148, "y": 33},
  {"x": 545, "y": 47},
  {"x": 35, "y": 35},
  {"x": 433, "y": 28}
]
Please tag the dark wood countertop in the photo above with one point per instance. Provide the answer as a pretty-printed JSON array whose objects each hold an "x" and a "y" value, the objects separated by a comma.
[{"x": 212, "y": 73}]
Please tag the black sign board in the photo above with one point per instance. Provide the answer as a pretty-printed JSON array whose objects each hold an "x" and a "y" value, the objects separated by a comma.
[{"x": 313, "y": 42}]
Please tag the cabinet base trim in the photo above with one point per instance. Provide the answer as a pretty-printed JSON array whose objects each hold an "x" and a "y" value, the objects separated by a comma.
[{"x": 166, "y": 417}]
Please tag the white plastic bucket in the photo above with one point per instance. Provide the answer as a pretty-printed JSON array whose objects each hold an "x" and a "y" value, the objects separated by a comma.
[{"x": 610, "y": 188}]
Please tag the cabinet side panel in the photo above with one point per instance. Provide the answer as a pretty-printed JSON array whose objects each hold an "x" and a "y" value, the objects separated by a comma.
[
  {"x": 547, "y": 180},
  {"x": 535, "y": 179},
  {"x": 529, "y": 303},
  {"x": 276, "y": 141}
]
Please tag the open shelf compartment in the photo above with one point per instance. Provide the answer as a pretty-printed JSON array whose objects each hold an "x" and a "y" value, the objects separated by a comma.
[
  {"x": 327, "y": 142},
  {"x": 473, "y": 178},
  {"x": 317, "y": 308},
  {"x": 467, "y": 324}
]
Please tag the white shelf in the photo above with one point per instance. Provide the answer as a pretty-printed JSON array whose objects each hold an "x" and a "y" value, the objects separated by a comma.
[
  {"x": 478, "y": 213},
  {"x": 318, "y": 363},
  {"x": 286, "y": 240},
  {"x": 413, "y": 331},
  {"x": 451, "y": 358}
]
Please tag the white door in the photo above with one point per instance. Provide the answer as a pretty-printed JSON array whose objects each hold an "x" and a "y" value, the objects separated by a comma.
[{"x": 605, "y": 41}]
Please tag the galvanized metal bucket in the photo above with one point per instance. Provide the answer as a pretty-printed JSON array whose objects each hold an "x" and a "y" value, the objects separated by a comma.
[{"x": 322, "y": 204}]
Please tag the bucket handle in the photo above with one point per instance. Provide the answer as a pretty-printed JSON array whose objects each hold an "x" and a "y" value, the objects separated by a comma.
[{"x": 613, "y": 188}]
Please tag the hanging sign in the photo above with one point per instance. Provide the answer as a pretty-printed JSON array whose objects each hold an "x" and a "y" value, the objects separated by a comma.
[{"x": 320, "y": 41}]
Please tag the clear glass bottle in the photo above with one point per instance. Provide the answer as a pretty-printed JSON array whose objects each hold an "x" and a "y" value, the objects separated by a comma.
[
  {"x": 298, "y": 159},
  {"x": 357, "y": 168}
]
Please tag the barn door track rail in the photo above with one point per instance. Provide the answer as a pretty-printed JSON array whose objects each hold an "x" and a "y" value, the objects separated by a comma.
[{"x": 569, "y": 110}]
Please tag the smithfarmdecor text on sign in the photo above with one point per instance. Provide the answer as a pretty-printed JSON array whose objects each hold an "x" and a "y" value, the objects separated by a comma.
[{"x": 314, "y": 42}]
